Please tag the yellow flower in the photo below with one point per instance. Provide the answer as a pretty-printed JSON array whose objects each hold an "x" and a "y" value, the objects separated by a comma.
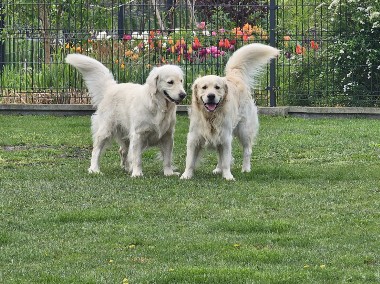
[
  {"x": 237, "y": 246},
  {"x": 129, "y": 53},
  {"x": 122, "y": 65},
  {"x": 323, "y": 266},
  {"x": 125, "y": 280},
  {"x": 306, "y": 266},
  {"x": 170, "y": 40},
  {"x": 247, "y": 29}
]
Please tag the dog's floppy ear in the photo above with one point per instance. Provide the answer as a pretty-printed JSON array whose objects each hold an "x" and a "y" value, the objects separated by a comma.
[
  {"x": 194, "y": 95},
  {"x": 225, "y": 87},
  {"x": 152, "y": 80}
]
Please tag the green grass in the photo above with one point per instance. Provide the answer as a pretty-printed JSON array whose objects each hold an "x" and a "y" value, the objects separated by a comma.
[{"x": 309, "y": 212}]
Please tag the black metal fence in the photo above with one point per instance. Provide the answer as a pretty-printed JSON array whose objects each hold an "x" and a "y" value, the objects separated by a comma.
[{"x": 330, "y": 50}]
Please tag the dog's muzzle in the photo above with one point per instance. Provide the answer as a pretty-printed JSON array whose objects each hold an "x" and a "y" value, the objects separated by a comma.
[
  {"x": 181, "y": 96},
  {"x": 211, "y": 105}
]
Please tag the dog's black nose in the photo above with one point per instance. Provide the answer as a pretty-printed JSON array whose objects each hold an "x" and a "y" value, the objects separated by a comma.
[
  {"x": 211, "y": 97},
  {"x": 182, "y": 96}
]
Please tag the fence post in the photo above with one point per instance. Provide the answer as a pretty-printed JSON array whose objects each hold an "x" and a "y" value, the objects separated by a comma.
[
  {"x": 2, "y": 43},
  {"x": 120, "y": 21},
  {"x": 272, "y": 41}
]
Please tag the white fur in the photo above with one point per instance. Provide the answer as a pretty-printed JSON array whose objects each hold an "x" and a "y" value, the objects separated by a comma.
[
  {"x": 223, "y": 106},
  {"x": 136, "y": 116}
]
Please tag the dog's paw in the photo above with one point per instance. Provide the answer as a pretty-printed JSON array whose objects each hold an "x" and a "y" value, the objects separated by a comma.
[
  {"x": 246, "y": 170},
  {"x": 216, "y": 171},
  {"x": 94, "y": 171},
  {"x": 137, "y": 174},
  {"x": 228, "y": 176},
  {"x": 186, "y": 175},
  {"x": 171, "y": 173}
]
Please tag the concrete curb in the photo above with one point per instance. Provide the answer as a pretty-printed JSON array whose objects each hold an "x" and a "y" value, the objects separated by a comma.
[{"x": 308, "y": 112}]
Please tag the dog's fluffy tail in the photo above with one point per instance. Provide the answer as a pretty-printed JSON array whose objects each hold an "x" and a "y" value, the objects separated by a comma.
[
  {"x": 97, "y": 77},
  {"x": 249, "y": 60}
]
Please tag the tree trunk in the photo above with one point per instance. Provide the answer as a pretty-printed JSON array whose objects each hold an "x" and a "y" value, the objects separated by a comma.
[
  {"x": 44, "y": 18},
  {"x": 157, "y": 12}
]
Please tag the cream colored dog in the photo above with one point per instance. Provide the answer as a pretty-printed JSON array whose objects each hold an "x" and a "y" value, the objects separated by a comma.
[
  {"x": 223, "y": 106},
  {"x": 136, "y": 116}
]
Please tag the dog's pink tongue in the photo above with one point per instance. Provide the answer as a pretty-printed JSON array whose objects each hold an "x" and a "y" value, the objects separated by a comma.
[{"x": 211, "y": 107}]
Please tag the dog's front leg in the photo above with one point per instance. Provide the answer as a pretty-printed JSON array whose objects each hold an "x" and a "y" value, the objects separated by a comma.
[
  {"x": 166, "y": 148},
  {"x": 193, "y": 149},
  {"x": 135, "y": 152},
  {"x": 224, "y": 160}
]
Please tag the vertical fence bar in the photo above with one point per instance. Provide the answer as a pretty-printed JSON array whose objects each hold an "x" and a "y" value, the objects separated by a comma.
[
  {"x": 272, "y": 41},
  {"x": 2, "y": 43},
  {"x": 120, "y": 20}
]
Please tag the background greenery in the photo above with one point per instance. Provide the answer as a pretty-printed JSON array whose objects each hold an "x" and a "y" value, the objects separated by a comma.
[
  {"x": 307, "y": 213},
  {"x": 339, "y": 55},
  {"x": 330, "y": 49}
]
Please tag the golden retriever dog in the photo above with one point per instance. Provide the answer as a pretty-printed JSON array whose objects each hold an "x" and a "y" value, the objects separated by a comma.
[
  {"x": 223, "y": 107},
  {"x": 136, "y": 116}
]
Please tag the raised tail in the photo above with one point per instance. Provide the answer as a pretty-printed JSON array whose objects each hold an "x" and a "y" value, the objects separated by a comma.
[
  {"x": 97, "y": 77},
  {"x": 249, "y": 60}
]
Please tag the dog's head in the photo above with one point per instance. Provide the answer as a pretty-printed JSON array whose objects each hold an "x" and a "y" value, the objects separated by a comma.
[
  {"x": 209, "y": 92},
  {"x": 167, "y": 80}
]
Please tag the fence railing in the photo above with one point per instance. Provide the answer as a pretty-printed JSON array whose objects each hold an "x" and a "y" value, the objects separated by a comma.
[{"x": 330, "y": 50}]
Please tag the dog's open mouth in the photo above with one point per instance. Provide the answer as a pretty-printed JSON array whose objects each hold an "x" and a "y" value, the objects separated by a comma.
[
  {"x": 211, "y": 106},
  {"x": 170, "y": 98}
]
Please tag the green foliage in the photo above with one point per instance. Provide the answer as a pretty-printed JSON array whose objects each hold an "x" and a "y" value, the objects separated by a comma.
[
  {"x": 330, "y": 49},
  {"x": 357, "y": 49},
  {"x": 331, "y": 53},
  {"x": 35, "y": 71}
]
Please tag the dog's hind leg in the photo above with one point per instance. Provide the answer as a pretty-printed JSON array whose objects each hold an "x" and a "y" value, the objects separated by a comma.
[
  {"x": 166, "y": 147},
  {"x": 246, "y": 141},
  {"x": 99, "y": 146},
  {"x": 218, "y": 168},
  {"x": 246, "y": 133},
  {"x": 247, "y": 152},
  {"x": 123, "y": 152}
]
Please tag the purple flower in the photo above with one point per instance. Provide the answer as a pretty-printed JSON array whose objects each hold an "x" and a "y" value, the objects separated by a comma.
[
  {"x": 201, "y": 25},
  {"x": 213, "y": 49}
]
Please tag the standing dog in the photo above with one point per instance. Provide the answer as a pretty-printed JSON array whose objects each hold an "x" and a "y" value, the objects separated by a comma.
[
  {"x": 223, "y": 106},
  {"x": 136, "y": 116}
]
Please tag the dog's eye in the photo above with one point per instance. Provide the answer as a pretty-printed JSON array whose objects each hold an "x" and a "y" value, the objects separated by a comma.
[
  {"x": 204, "y": 87},
  {"x": 217, "y": 87},
  {"x": 171, "y": 82}
]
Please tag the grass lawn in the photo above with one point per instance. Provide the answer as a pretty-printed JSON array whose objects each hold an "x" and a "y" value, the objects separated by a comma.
[{"x": 309, "y": 212}]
